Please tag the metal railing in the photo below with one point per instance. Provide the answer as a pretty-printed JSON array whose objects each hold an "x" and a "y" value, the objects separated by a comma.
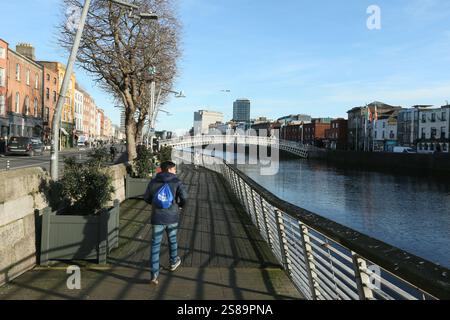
[
  {"x": 326, "y": 260},
  {"x": 285, "y": 145}
]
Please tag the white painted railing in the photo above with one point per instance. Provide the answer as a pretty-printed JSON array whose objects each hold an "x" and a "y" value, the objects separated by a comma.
[
  {"x": 205, "y": 140},
  {"x": 326, "y": 260}
]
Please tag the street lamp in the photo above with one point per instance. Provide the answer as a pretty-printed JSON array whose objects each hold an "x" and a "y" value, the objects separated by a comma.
[
  {"x": 154, "y": 108},
  {"x": 54, "y": 158}
]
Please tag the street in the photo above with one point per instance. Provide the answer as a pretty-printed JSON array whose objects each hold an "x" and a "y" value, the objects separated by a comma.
[{"x": 21, "y": 161}]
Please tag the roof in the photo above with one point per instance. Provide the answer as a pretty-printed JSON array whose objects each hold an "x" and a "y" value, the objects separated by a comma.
[{"x": 378, "y": 104}]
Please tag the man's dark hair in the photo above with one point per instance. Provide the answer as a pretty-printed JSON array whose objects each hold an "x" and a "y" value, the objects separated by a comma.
[{"x": 167, "y": 165}]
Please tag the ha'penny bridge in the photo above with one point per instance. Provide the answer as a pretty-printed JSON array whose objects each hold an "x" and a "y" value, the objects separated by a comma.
[{"x": 239, "y": 241}]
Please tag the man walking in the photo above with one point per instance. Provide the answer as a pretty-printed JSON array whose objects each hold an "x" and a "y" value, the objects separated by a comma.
[{"x": 167, "y": 195}]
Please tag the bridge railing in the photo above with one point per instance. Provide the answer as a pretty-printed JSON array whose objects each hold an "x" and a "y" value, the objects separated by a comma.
[
  {"x": 290, "y": 146},
  {"x": 326, "y": 260}
]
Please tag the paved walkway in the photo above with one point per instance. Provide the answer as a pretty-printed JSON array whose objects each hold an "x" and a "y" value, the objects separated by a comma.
[{"x": 223, "y": 256}]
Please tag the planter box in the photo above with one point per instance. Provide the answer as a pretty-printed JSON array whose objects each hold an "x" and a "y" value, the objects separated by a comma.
[
  {"x": 72, "y": 237},
  {"x": 135, "y": 188}
]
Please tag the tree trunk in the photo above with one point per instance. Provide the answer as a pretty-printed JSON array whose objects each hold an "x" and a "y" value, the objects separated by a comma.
[{"x": 131, "y": 139}]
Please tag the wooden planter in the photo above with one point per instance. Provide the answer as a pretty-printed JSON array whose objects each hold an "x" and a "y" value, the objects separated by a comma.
[
  {"x": 72, "y": 237},
  {"x": 135, "y": 188}
]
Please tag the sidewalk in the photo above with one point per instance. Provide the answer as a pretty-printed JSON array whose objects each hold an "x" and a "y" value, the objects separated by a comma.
[{"x": 223, "y": 257}]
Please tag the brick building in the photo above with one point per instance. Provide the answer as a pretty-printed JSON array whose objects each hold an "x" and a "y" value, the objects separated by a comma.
[
  {"x": 336, "y": 136},
  {"x": 50, "y": 99},
  {"x": 4, "y": 119},
  {"x": 292, "y": 132},
  {"x": 314, "y": 132},
  {"x": 67, "y": 136},
  {"x": 24, "y": 97}
]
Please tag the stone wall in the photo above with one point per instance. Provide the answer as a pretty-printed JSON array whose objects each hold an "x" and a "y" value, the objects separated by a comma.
[
  {"x": 20, "y": 196},
  {"x": 425, "y": 164}
]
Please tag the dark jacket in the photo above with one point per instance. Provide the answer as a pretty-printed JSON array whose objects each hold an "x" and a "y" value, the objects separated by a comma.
[{"x": 170, "y": 215}]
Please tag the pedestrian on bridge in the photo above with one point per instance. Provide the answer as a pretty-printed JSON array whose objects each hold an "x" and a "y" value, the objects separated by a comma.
[{"x": 167, "y": 195}]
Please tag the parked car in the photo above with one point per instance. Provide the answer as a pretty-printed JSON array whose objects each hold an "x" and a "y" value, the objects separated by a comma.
[
  {"x": 404, "y": 150},
  {"x": 81, "y": 145},
  {"x": 25, "y": 145}
]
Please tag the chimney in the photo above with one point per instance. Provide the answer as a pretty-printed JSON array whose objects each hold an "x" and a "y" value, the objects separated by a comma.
[{"x": 26, "y": 50}]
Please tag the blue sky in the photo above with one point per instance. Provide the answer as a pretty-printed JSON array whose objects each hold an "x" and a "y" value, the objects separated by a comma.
[{"x": 290, "y": 56}]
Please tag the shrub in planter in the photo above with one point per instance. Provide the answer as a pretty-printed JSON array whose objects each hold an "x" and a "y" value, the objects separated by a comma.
[
  {"x": 144, "y": 166},
  {"x": 87, "y": 187},
  {"x": 140, "y": 172},
  {"x": 165, "y": 154},
  {"x": 84, "y": 229}
]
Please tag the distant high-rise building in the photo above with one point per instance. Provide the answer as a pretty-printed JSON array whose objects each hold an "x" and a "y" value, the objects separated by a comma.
[
  {"x": 203, "y": 118},
  {"x": 241, "y": 110}
]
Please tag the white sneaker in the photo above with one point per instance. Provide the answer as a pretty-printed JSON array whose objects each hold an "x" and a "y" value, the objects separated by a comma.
[
  {"x": 174, "y": 266},
  {"x": 154, "y": 281}
]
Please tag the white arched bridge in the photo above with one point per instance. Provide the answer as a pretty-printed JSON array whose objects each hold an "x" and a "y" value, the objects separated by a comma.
[{"x": 292, "y": 147}]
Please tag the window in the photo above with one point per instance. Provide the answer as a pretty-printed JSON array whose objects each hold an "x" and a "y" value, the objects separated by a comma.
[
  {"x": 423, "y": 133},
  {"x": 424, "y": 117},
  {"x": 28, "y": 77},
  {"x": 36, "y": 81},
  {"x": 2, "y": 104},
  {"x": 433, "y": 117},
  {"x": 54, "y": 96},
  {"x": 442, "y": 132},
  {"x": 17, "y": 102},
  {"x": 47, "y": 93},
  {"x": 54, "y": 80},
  {"x": 2, "y": 78},
  {"x": 27, "y": 105},
  {"x": 36, "y": 107},
  {"x": 392, "y": 135},
  {"x": 18, "y": 72},
  {"x": 376, "y": 134},
  {"x": 2, "y": 53},
  {"x": 384, "y": 125},
  {"x": 383, "y": 135},
  {"x": 46, "y": 113},
  {"x": 444, "y": 116},
  {"x": 433, "y": 133}
]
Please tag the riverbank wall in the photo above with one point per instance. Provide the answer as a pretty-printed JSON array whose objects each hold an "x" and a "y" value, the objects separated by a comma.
[{"x": 417, "y": 164}]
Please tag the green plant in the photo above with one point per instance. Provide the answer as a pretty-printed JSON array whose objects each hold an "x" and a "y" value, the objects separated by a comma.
[
  {"x": 98, "y": 157},
  {"x": 85, "y": 186},
  {"x": 143, "y": 164},
  {"x": 165, "y": 154}
]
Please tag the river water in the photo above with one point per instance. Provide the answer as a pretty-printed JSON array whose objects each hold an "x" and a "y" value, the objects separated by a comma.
[{"x": 409, "y": 212}]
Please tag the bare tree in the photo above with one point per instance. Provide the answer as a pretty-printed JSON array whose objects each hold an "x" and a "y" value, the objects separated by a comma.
[{"x": 124, "y": 53}]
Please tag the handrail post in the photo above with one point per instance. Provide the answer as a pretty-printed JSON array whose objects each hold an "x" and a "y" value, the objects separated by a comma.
[
  {"x": 283, "y": 243},
  {"x": 254, "y": 209},
  {"x": 361, "y": 277},
  {"x": 266, "y": 224},
  {"x": 309, "y": 261}
]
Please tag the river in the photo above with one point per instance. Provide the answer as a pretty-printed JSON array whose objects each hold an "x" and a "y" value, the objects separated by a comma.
[{"x": 409, "y": 212}]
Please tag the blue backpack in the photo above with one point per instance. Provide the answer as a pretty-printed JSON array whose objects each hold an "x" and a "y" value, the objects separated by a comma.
[{"x": 163, "y": 199}]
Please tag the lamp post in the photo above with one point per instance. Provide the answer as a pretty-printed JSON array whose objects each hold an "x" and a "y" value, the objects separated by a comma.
[
  {"x": 154, "y": 108},
  {"x": 54, "y": 158}
]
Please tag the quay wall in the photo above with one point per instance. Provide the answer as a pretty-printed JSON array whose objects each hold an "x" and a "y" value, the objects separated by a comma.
[
  {"x": 21, "y": 194},
  {"x": 435, "y": 164}
]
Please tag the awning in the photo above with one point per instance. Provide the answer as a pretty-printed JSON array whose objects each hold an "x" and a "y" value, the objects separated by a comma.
[{"x": 64, "y": 131}]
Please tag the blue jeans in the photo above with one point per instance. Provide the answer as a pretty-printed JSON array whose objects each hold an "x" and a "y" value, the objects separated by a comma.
[{"x": 158, "y": 231}]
